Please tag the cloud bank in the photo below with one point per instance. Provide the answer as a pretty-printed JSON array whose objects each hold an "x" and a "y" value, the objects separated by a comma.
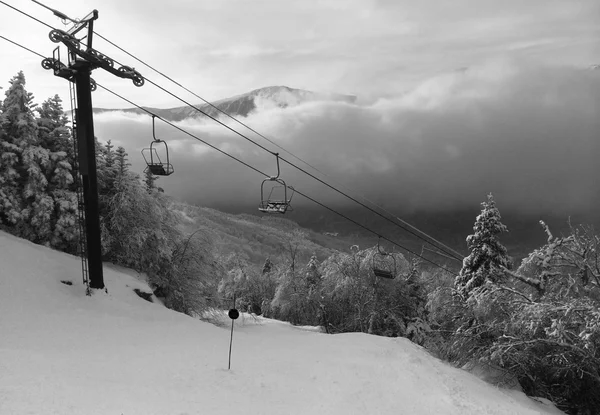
[{"x": 530, "y": 134}]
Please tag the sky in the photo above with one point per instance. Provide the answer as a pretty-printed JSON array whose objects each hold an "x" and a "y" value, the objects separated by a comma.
[
  {"x": 525, "y": 132},
  {"x": 369, "y": 48},
  {"x": 455, "y": 99}
]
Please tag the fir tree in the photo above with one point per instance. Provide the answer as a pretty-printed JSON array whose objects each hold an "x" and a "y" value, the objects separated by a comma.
[
  {"x": 122, "y": 161},
  {"x": 55, "y": 136},
  {"x": 488, "y": 256},
  {"x": 52, "y": 125},
  {"x": 149, "y": 180},
  {"x": 107, "y": 168},
  {"x": 12, "y": 107},
  {"x": 109, "y": 154},
  {"x": 26, "y": 203}
]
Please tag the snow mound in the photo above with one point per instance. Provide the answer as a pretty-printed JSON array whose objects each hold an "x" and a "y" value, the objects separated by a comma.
[{"x": 62, "y": 352}]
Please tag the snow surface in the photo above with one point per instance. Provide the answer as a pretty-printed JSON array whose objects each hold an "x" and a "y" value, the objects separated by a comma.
[{"x": 62, "y": 352}]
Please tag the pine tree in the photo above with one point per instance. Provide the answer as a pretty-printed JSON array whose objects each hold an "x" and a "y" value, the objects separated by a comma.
[
  {"x": 122, "y": 161},
  {"x": 10, "y": 153},
  {"x": 149, "y": 180},
  {"x": 109, "y": 154},
  {"x": 55, "y": 136},
  {"x": 27, "y": 205},
  {"x": 53, "y": 130},
  {"x": 488, "y": 256},
  {"x": 107, "y": 166}
]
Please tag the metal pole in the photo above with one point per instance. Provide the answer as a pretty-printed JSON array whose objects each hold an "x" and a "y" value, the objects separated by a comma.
[
  {"x": 233, "y": 315},
  {"x": 87, "y": 167},
  {"x": 230, "y": 344}
]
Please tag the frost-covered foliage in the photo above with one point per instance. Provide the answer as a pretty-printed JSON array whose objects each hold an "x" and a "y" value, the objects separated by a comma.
[
  {"x": 252, "y": 289},
  {"x": 190, "y": 284},
  {"x": 36, "y": 196},
  {"x": 354, "y": 299},
  {"x": 18, "y": 132},
  {"x": 149, "y": 180},
  {"x": 540, "y": 323},
  {"x": 140, "y": 231},
  {"x": 340, "y": 294},
  {"x": 27, "y": 206},
  {"x": 488, "y": 256},
  {"x": 55, "y": 136},
  {"x": 122, "y": 160},
  {"x": 298, "y": 294},
  {"x": 553, "y": 338}
]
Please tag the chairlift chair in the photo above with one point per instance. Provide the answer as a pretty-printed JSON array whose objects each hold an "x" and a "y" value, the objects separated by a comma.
[
  {"x": 382, "y": 267},
  {"x": 272, "y": 203},
  {"x": 154, "y": 164}
]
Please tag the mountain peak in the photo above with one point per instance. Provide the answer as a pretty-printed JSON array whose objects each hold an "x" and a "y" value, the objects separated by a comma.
[
  {"x": 276, "y": 96},
  {"x": 284, "y": 96}
]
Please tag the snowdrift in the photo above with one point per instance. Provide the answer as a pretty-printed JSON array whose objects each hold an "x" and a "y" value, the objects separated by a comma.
[{"x": 62, "y": 352}]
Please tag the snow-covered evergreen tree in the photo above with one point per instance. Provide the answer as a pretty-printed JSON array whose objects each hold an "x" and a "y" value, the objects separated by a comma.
[
  {"x": 52, "y": 124},
  {"x": 109, "y": 154},
  {"x": 10, "y": 151},
  {"x": 109, "y": 176},
  {"x": 122, "y": 161},
  {"x": 27, "y": 205},
  {"x": 488, "y": 256},
  {"x": 55, "y": 136},
  {"x": 107, "y": 167},
  {"x": 149, "y": 180}
]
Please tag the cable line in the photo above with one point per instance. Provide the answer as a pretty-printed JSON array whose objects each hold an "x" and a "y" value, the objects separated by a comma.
[
  {"x": 257, "y": 170},
  {"x": 208, "y": 102},
  {"x": 183, "y": 131},
  {"x": 292, "y": 164},
  {"x": 264, "y": 174},
  {"x": 450, "y": 253},
  {"x": 26, "y": 14},
  {"x": 299, "y": 168},
  {"x": 447, "y": 250},
  {"x": 23, "y": 47}
]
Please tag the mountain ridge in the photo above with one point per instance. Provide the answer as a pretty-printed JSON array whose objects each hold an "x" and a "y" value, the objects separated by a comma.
[{"x": 241, "y": 105}]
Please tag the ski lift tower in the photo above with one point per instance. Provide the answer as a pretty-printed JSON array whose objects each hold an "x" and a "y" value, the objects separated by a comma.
[{"x": 82, "y": 59}]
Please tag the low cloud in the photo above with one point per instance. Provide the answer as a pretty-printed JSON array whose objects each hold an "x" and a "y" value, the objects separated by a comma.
[{"x": 528, "y": 133}]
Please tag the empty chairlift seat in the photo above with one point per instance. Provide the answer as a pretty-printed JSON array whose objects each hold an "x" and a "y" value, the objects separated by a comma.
[
  {"x": 384, "y": 264},
  {"x": 279, "y": 194},
  {"x": 154, "y": 163}
]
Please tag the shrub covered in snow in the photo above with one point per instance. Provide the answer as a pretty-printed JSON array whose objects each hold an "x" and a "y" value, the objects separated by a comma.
[{"x": 540, "y": 323}]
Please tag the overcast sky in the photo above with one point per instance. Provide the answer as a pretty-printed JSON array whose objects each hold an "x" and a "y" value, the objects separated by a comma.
[
  {"x": 370, "y": 48},
  {"x": 528, "y": 133},
  {"x": 521, "y": 122}
]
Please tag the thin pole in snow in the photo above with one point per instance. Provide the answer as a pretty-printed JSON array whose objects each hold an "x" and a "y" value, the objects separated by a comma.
[
  {"x": 230, "y": 344},
  {"x": 233, "y": 315}
]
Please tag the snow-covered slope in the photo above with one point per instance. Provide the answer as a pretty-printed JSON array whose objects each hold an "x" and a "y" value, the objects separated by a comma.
[
  {"x": 242, "y": 105},
  {"x": 64, "y": 353}
]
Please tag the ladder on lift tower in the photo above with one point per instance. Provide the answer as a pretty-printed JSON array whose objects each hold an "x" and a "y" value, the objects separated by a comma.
[{"x": 82, "y": 248}]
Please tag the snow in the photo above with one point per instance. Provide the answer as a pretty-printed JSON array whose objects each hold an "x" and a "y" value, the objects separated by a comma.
[{"x": 62, "y": 352}]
